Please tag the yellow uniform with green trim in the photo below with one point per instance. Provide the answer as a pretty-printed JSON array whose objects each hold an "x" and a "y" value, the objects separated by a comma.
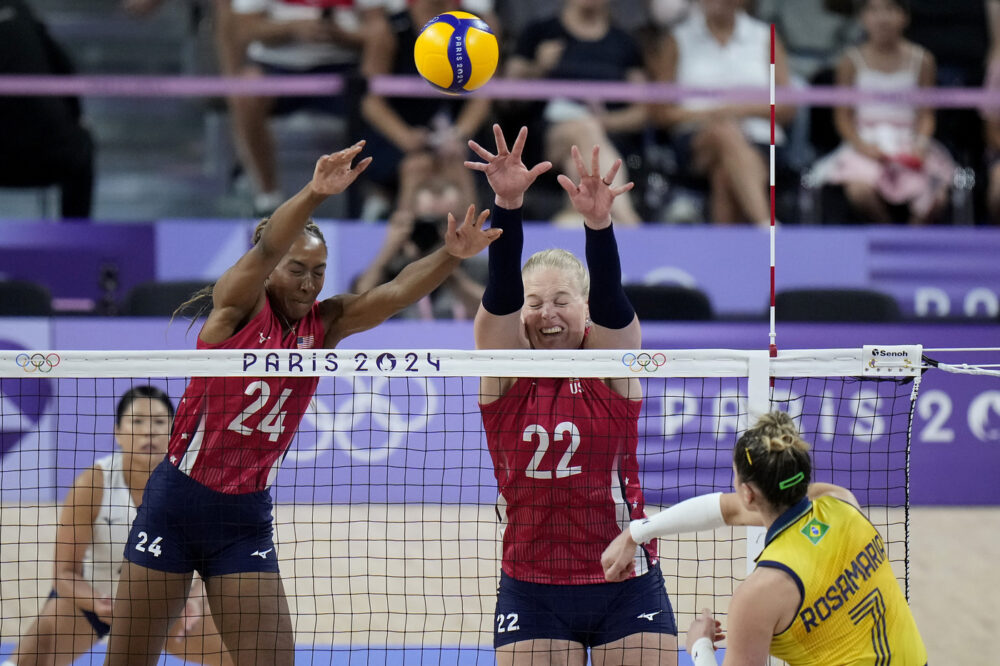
[{"x": 853, "y": 611}]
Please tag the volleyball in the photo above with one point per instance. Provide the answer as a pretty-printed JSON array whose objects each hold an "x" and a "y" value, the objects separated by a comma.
[{"x": 456, "y": 52}]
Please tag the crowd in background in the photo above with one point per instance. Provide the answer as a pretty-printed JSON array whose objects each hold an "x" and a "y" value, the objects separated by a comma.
[
  {"x": 701, "y": 160},
  {"x": 695, "y": 161}
]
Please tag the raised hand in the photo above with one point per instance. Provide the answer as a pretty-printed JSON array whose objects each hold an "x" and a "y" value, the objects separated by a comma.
[
  {"x": 593, "y": 197},
  {"x": 505, "y": 171},
  {"x": 334, "y": 174},
  {"x": 469, "y": 238}
]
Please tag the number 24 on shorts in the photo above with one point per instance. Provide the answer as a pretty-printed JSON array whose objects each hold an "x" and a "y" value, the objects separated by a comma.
[{"x": 153, "y": 547}]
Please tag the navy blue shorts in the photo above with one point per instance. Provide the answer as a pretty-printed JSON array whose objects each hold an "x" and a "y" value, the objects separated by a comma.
[
  {"x": 101, "y": 628},
  {"x": 592, "y": 615},
  {"x": 182, "y": 526}
]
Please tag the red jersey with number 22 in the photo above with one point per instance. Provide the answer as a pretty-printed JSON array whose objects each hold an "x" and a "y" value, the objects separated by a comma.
[
  {"x": 231, "y": 433},
  {"x": 564, "y": 455}
]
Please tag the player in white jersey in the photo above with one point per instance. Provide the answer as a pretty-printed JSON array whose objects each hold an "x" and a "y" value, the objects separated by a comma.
[{"x": 93, "y": 528}]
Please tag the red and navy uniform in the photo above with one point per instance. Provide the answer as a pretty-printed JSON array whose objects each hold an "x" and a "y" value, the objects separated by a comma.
[
  {"x": 207, "y": 506},
  {"x": 564, "y": 455},
  {"x": 231, "y": 433}
]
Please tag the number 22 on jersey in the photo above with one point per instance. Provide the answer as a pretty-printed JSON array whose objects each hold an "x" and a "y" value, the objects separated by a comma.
[
  {"x": 566, "y": 432},
  {"x": 272, "y": 424}
]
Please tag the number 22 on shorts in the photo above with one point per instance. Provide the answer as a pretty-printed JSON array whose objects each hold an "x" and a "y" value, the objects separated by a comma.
[{"x": 510, "y": 619}]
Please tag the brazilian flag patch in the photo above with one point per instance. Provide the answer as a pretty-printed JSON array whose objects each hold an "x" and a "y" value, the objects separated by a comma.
[{"x": 815, "y": 531}]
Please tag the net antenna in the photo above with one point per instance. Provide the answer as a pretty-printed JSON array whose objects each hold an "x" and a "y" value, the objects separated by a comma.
[{"x": 757, "y": 404}]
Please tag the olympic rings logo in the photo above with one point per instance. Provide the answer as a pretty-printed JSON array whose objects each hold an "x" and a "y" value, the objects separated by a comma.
[
  {"x": 643, "y": 361},
  {"x": 37, "y": 362}
]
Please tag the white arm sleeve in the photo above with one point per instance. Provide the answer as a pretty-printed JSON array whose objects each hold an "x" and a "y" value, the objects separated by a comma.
[
  {"x": 697, "y": 514},
  {"x": 703, "y": 652}
]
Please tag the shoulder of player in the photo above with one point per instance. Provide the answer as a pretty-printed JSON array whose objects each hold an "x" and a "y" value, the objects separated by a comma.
[
  {"x": 331, "y": 309},
  {"x": 767, "y": 594},
  {"x": 225, "y": 322},
  {"x": 491, "y": 389},
  {"x": 331, "y": 312},
  {"x": 818, "y": 490}
]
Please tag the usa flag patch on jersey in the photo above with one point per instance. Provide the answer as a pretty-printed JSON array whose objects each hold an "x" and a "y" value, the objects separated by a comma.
[{"x": 304, "y": 342}]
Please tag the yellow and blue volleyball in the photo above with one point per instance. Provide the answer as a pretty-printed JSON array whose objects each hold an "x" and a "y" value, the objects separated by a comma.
[{"x": 456, "y": 52}]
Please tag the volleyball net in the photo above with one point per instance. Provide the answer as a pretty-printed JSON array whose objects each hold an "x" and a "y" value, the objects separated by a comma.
[{"x": 386, "y": 504}]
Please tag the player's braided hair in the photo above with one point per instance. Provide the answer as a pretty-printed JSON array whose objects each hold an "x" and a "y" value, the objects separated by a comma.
[
  {"x": 563, "y": 260},
  {"x": 311, "y": 228},
  {"x": 774, "y": 456},
  {"x": 200, "y": 302}
]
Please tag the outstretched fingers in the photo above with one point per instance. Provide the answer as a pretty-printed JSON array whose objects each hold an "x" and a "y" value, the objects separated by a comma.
[
  {"x": 470, "y": 216},
  {"x": 621, "y": 189},
  {"x": 471, "y": 219},
  {"x": 609, "y": 177},
  {"x": 346, "y": 156},
  {"x": 522, "y": 136},
  {"x": 567, "y": 184},
  {"x": 501, "y": 142},
  {"x": 348, "y": 152},
  {"x": 361, "y": 166},
  {"x": 477, "y": 224},
  {"x": 578, "y": 161},
  {"x": 479, "y": 150},
  {"x": 539, "y": 169}
]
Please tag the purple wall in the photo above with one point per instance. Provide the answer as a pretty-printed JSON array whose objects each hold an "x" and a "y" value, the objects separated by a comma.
[
  {"x": 932, "y": 272},
  {"x": 69, "y": 258}
]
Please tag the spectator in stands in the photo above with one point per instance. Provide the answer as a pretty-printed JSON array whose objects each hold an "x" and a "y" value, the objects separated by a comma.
[
  {"x": 814, "y": 32},
  {"x": 582, "y": 42},
  {"x": 43, "y": 141},
  {"x": 403, "y": 130},
  {"x": 228, "y": 51},
  {"x": 719, "y": 44},
  {"x": 415, "y": 230},
  {"x": 290, "y": 38},
  {"x": 888, "y": 156},
  {"x": 957, "y": 34}
]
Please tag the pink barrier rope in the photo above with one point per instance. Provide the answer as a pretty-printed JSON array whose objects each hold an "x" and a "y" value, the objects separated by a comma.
[
  {"x": 539, "y": 89},
  {"x": 172, "y": 86}
]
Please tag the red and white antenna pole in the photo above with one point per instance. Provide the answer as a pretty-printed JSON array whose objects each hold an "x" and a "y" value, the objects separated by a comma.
[{"x": 772, "y": 346}]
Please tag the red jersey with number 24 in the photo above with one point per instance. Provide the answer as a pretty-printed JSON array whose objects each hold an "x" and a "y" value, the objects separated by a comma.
[
  {"x": 564, "y": 455},
  {"x": 231, "y": 433}
]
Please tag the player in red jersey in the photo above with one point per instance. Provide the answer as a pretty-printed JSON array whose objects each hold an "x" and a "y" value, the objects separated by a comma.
[
  {"x": 207, "y": 506},
  {"x": 564, "y": 450}
]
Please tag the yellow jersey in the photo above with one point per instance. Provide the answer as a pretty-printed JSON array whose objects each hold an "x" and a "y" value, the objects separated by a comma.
[{"x": 852, "y": 610}]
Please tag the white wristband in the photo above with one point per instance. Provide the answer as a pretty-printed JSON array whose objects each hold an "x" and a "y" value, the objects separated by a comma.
[
  {"x": 703, "y": 652},
  {"x": 697, "y": 514}
]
